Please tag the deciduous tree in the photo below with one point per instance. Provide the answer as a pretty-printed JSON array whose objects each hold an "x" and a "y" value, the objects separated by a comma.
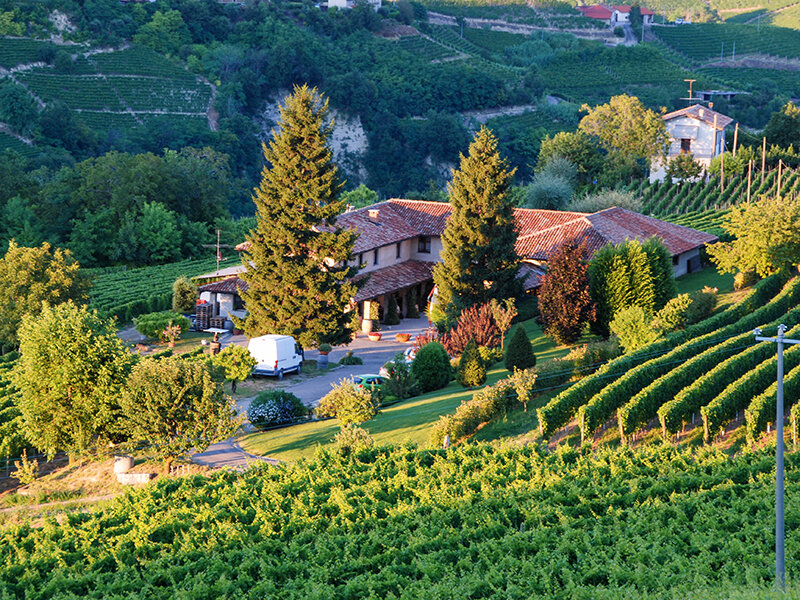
[
  {"x": 564, "y": 299},
  {"x": 296, "y": 267},
  {"x": 175, "y": 406},
  {"x": 479, "y": 261},
  {"x": 31, "y": 276},
  {"x": 70, "y": 376},
  {"x": 766, "y": 237},
  {"x": 236, "y": 363},
  {"x": 624, "y": 125}
]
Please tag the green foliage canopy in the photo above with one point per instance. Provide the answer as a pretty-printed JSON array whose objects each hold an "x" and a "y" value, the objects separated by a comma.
[
  {"x": 297, "y": 284},
  {"x": 479, "y": 261},
  {"x": 71, "y": 375},
  {"x": 31, "y": 276},
  {"x": 175, "y": 406}
]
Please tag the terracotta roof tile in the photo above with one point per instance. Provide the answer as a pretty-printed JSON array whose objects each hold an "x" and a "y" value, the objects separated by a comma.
[
  {"x": 393, "y": 278},
  {"x": 231, "y": 285},
  {"x": 701, "y": 113}
]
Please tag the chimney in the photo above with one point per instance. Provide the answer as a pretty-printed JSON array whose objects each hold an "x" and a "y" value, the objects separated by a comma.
[
  {"x": 349, "y": 208},
  {"x": 701, "y": 112},
  {"x": 373, "y": 213}
]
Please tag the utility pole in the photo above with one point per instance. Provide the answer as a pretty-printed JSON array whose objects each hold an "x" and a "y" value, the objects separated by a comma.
[
  {"x": 780, "y": 165},
  {"x": 763, "y": 157},
  {"x": 780, "y": 559},
  {"x": 735, "y": 139},
  {"x": 749, "y": 177}
]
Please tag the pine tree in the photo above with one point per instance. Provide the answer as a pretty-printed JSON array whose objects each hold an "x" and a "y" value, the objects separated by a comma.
[
  {"x": 519, "y": 352},
  {"x": 471, "y": 370},
  {"x": 296, "y": 267},
  {"x": 479, "y": 261},
  {"x": 564, "y": 300}
]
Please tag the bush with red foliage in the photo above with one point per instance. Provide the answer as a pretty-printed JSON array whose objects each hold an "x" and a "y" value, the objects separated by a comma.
[
  {"x": 431, "y": 334},
  {"x": 565, "y": 303},
  {"x": 475, "y": 322}
]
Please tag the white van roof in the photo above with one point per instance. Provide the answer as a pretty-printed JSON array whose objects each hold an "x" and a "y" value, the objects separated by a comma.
[{"x": 273, "y": 336}]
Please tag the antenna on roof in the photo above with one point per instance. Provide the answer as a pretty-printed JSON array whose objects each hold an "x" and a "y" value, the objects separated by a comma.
[{"x": 692, "y": 99}]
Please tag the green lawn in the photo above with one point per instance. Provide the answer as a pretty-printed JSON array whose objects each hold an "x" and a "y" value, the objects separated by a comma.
[{"x": 409, "y": 421}]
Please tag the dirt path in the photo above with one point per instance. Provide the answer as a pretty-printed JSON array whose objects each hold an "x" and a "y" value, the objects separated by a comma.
[
  {"x": 34, "y": 507},
  {"x": 757, "y": 61},
  {"x": 499, "y": 25}
]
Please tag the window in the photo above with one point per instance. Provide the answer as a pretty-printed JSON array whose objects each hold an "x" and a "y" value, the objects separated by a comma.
[
  {"x": 238, "y": 303},
  {"x": 361, "y": 259},
  {"x": 375, "y": 256},
  {"x": 686, "y": 146},
  {"x": 675, "y": 260},
  {"x": 424, "y": 245},
  {"x": 397, "y": 255}
]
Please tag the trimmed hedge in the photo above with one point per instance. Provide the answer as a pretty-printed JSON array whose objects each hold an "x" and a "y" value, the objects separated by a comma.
[
  {"x": 485, "y": 405},
  {"x": 762, "y": 409},
  {"x": 563, "y": 407},
  {"x": 738, "y": 395}
]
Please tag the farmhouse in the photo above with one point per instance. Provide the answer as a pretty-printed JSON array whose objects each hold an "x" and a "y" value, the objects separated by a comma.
[
  {"x": 400, "y": 241},
  {"x": 695, "y": 130},
  {"x": 347, "y": 4},
  {"x": 615, "y": 15}
]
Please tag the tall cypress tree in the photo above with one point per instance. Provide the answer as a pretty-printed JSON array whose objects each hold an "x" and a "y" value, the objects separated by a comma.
[
  {"x": 660, "y": 261},
  {"x": 642, "y": 285},
  {"x": 297, "y": 261},
  {"x": 479, "y": 261}
]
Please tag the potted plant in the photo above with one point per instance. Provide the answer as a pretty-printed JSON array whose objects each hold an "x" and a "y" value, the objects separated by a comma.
[
  {"x": 322, "y": 361},
  {"x": 374, "y": 336},
  {"x": 170, "y": 334},
  {"x": 402, "y": 337}
]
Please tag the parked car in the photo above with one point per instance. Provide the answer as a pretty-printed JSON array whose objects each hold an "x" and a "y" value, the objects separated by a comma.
[
  {"x": 276, "y": 355},
  {"x": 369, "y": 381}
]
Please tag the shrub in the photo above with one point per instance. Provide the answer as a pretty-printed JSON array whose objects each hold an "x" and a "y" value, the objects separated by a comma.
[
  {"x": 431, "y": 367},
  {"x": 591, "y": 203},
  {"x": 485, "y": 406},
  {"x": 324, "y": 348},
  {"x": 349, "y": 403},
  {"x": 489, "y": 356},
  {"x": 587, "y": 358},
  {"x": 519, "y": 353},
  {"x": 392, "y": 318},
  {"x": 351, "y": 439},
  {"x": 275, "y": 407},
  {"x": 401, "y": 383},
  {"x": 350, "y": 359},
  {"x": 426, "y": 337},
  {"x": 152, "y": 325},
  {"x": 674, "y": 315},
  {"x": 524, "y": 382},
  {"x": 549, "y": 192},
  {"x": 703, "y": 304},
  {"x": 412, "y": 311},
  {"x": 471, "y": 369},
  {"x": 633, "y": 327},
  {"x": 184, "y": 295},
  {"x": 474, "y": 323},
  {"x": 744, "y": 279}
]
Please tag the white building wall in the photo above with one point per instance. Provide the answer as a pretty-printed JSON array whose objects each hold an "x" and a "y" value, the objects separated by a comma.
[
  {"x": 682, "y": 266},
  {"x": 706, "y": 142}
]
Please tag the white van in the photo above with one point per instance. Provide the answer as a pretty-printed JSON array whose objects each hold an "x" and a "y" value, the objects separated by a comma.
[{"x": 276, "y": 355}]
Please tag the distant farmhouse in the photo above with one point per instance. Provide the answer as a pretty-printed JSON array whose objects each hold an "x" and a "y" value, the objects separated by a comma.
[
  {"x": 347, "y": 4},
  {"x": 615, "y": 15},
  {"x": 695, "y": 130},
  {"x": 400, "y": 241}
]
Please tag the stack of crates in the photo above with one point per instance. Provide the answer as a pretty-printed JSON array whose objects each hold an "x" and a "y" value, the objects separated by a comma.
[{"x": 203, "y": 315}]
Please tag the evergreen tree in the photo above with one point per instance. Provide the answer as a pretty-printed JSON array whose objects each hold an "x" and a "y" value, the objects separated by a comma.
[
  {"x": 564, "y": 299},
  {"x": 413, "y": 309},
  {"x": 642, "y": 282},
  {"x": 471, "y": 370},
  {"x": 661, "y": 268},
  {"x": 296, "y": 267},
  {"x": 392, "y": 318},
  {"x": 479, "y": 261},
  {"x": 519, "y": 352}
]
